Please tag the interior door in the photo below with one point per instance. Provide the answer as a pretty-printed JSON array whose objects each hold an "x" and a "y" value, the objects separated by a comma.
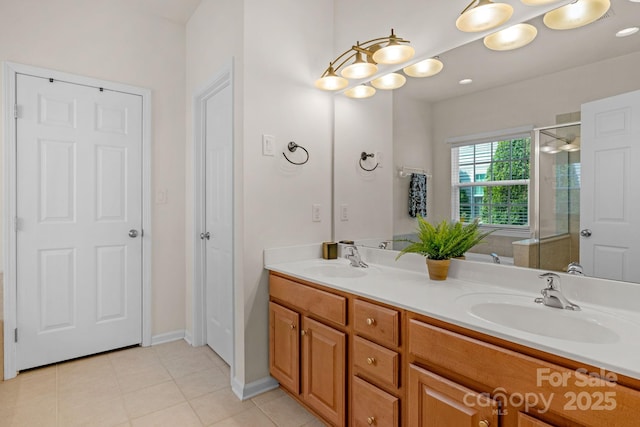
[
  {"x": 219, "y": 222},
  {"x": 609, "y": 203},
  {"x": 79, "y": 217}
]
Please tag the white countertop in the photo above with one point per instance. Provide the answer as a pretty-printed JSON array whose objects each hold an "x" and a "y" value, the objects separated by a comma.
[{"x": 405, "y": 284}]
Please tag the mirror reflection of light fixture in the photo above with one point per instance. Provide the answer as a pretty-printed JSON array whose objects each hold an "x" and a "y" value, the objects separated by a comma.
[
  {"x": 576, "y": 14},
  {"x": 365, "y": 56},
  {"x": 514, "y": 37},
  {"x": 389, "y": 81},
  {"x": 481, "y": 15},
  {"x": 426, "y": 68},
  {"x": 571, "y": 144},
  {"x": 360, "y": 91},
  {"x": 549, "y": 149}
]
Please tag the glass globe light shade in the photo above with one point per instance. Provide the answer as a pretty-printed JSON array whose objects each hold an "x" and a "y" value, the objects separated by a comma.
[
  {"x": 426, "y": 68},
  {"x": 331, "y": 81},
  {"x": 514, "y": 37},
  {"x": 393, "y": 53},
  {"x": 577, "y": 14},
  {"x": 360, "y": 92},
  {"x": 484, "y": 16},
  {"x": 389, "y": 81}
]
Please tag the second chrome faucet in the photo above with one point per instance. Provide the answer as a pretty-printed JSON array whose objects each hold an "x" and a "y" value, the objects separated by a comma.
[{"x": 551, "y": 295}]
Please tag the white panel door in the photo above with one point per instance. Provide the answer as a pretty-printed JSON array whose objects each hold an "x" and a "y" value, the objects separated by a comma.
[
  {"x": 79, "y": 193},
  {"x": 609, "y": 202},
  {"x": 219, "y": 222}
]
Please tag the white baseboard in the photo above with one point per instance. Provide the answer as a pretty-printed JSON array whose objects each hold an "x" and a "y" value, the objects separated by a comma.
[
  {"x": 168, "y": 337},
  {"x": 187, "y": 338},
  {"x": 247, "y": 391}
]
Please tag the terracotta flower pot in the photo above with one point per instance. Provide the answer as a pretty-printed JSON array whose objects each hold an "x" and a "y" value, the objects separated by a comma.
[{"x": 438, "y": 268}]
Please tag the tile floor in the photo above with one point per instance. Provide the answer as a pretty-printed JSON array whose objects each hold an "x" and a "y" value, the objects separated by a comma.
[{"x": 172, "y": 385}]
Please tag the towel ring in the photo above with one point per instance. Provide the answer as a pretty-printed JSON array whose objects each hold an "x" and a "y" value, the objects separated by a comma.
[
  {"x": 363, "y": 157},
  {"x": 292, "y": 147}
]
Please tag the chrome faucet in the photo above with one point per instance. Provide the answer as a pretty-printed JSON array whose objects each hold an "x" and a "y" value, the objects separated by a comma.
[
  {"x": 575, "y": 268},
  {"x": 496, "y": 258},
  {"x": 353, "y": 256},
  {"x": 551, "y": 295},
  {"x": 384, "y": 245}
]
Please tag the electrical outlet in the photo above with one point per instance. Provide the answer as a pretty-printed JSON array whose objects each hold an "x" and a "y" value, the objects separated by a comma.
[
  {"x": 315, "y": 213},
  {"x": 268, "y": 145},
  {"x": 344, "y": 212}
]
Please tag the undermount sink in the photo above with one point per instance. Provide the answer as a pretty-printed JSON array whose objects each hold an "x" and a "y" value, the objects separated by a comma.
[
  {"x": 336, "y": 269},
  {"x": 522, "y": 313}
]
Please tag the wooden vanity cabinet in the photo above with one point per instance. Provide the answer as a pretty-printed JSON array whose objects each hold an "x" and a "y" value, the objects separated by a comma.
[
  {"x": 532, "y": 392},
  {"x": 308, "y": 346}
]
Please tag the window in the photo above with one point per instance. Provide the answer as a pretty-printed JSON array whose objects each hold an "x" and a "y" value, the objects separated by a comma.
[{"x": 490, "y": 181}]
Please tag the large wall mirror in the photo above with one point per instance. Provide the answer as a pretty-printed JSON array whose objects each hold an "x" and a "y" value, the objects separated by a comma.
[{"x": 538, "y": 86}]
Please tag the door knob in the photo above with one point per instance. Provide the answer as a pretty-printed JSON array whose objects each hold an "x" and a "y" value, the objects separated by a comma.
[
  {"x": 206, "y": 235},
  {"x": 585, "y": 232},
  {"x": 133, "y": 233}
]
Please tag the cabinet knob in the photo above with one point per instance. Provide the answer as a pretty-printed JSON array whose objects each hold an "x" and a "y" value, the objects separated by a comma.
[
  {"x": 483, "y": 423},
  {"x": 292, "y": 326},
  {"x": 371, "y": 321},
  {"x": 371, "y": 420},
  {"x": 371, "y": 360},
  {"x": 303, "y": 332}
]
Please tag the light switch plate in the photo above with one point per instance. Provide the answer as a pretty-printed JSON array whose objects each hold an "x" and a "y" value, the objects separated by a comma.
[
  {"x": 268, "y": 145},
  {"x": 344, "y": 212}
]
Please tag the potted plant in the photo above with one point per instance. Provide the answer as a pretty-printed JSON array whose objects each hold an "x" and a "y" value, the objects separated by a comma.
[{"x": 442, "y": 242}]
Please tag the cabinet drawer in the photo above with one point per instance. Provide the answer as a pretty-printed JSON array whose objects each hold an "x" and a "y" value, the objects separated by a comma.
[
  {"x": 372, "y": 406},
  {"x": 376, "y": 361},
  {"x": 377, "y": 323},
  {"x": 321, "y": 303}
]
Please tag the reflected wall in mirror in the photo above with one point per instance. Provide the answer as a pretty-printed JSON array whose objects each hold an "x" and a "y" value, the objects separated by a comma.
[{"x": 553, "y": 76}]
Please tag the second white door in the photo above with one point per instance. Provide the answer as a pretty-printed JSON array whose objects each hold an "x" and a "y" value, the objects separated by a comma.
[{"x": 219, "y": 222}]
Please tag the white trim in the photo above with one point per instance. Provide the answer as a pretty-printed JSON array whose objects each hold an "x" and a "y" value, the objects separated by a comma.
[
  {"x": 168, "y": 337},
  {"x": 493, "y": 135},
  {"x": 10, "y": 70},
  {"x": 247, "y": 391},
  {"x": 218, "y": 82}
]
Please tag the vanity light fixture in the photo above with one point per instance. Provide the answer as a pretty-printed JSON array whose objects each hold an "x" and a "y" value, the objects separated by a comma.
[
  {"x": 360, "y": 91},
  {"x": 465, "y": 81},
  {"x": 389, "y": 81},
  {"x": 627, "y": 32},
  {"x": 365, "y": 57},
  {"x": 481, "y": 15},
  {"x": 576, "y": 14},
  {"x": 514, "y": 37},
  {"x": 426, "y": 68},
  {"x": 549, "y": 149}
]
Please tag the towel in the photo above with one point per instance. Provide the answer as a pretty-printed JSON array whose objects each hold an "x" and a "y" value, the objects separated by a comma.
[{"x": 418, "y": 195}]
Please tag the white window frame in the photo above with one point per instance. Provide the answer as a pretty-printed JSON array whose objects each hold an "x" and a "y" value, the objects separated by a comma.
[{"x": 500, "y": 135}]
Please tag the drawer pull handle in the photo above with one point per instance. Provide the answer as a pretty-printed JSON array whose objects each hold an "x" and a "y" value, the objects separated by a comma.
[
  {"x": 292, "y": 326},
  {"x": 483, "y": 423},
  {"x": 371, "y": 420},
  {"x": 371, "y": 360},
  {"x": 303, "y": 332},
  {"x": 371, "y": 321}
]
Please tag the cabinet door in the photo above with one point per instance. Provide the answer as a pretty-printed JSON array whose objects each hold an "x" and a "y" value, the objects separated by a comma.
[
  {"x": 284, "y": 347},
  {"x": 434, "y": 401},
  {"x": 323, "y": 370}
]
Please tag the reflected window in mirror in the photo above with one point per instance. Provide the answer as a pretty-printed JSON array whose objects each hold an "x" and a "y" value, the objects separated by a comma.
[{"x": 490, "y": 181}]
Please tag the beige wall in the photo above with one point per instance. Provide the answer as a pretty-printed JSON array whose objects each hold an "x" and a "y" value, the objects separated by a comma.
[
  {"x": 110, "y": 41},
  {"x": 280, "y": 46}
]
